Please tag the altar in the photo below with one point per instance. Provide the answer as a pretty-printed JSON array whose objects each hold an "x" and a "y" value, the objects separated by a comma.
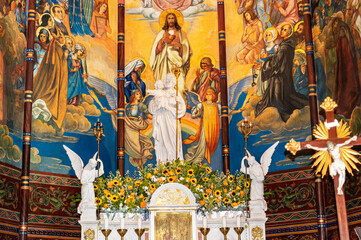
[{"x": 173, "y": 215}]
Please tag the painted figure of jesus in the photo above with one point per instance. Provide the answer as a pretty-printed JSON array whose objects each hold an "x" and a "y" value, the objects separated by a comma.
[{"x": 171, "y": 49}]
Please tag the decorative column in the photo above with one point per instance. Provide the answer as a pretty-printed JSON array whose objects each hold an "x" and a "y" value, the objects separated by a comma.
[
  {"x": 120, "y": 78},
  {"x": 28, "y": 95},
  {"x": 224, "y": 86},
  {"x": 312, "y": 95}
]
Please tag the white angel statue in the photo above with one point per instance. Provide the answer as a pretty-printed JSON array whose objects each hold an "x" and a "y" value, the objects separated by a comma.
[
  {"x": 86, "y": 175},
  {"x": 257, "y": 172}
]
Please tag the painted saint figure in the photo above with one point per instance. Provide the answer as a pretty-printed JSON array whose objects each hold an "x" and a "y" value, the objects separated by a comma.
[
  {"x": 78, "y": 24},
  {"x": 252, "y": 37},
  {"x": 59, "y": 14},
  {"x": 100, "y": 22},
  {"x": 270, "y": 36},
  {"x": 138, "y": 146},
  {"x": 208, "y": 77},
  {"x": 50, "y": 82},
  {"x": 207, "y": 135},
  {"x": 133, "y": 80},
  {"x": 77, "y": 75},
  {"x": 277, "y": 70},
  {"x": 40, "y": 47},
  {"x": 171, "y": 50},
  {"x": 346, "y": 87}
]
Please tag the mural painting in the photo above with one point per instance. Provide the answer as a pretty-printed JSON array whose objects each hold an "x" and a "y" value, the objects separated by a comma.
[
  {"x": 69, "y": 85},
  {"x": 172, "y": 77},
  {"x": 267, "y": 69},
  {"x": 172, "y": 83}
]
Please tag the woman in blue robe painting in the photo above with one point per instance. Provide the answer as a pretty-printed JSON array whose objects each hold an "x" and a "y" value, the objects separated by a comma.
[
  {"x": 76, "y": 75},
  {"x": 133, "y": 81}
]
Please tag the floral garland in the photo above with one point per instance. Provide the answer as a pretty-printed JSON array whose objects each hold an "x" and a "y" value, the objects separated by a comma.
[{"x": 213, "y": 191}]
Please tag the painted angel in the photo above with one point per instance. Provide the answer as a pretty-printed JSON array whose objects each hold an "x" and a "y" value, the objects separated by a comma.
[
  {"x": 258, "y": 171},
  {"x": 208, "y": 133},
  {"x": 87, "y": 176}
]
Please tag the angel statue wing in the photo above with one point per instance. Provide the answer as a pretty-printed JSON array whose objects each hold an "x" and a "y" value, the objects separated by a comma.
[
  {"x": 76, "y": 161},
  {"x": 266, "y": 158}
]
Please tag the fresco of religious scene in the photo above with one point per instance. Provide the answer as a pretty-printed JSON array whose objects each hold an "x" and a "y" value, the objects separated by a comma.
[
  {"x": 267, "y": 68},
  {"x": 267, "y": 74},
  {"x": 69, "y": 85},
  {"x": 172, "y": 84}
]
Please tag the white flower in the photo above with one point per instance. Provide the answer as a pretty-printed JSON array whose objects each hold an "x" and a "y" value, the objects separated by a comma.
[
  {"x": 181, "y": 178},
  {"x": 171, "y": 32}
]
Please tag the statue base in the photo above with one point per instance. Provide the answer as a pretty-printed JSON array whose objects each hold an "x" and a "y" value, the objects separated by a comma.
[
  {"x": 258, "y": 208},
  {"x": 90, "y": 212}
]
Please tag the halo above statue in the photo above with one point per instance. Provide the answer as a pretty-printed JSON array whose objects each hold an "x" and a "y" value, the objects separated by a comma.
[{"x": 164, "y": 14}]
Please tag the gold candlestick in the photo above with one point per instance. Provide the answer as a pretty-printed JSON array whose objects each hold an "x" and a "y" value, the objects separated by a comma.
[
  {"x": 246, "y": 129},
  {"x": 98, "y": 133},
  {"x": 106, "y": 233},
  {"x": 239, "y": 231},
  {"x": 225, "y": 231},
  {"x": 122, "y": 233},
  {"x": 204, "y": 232},
  {"x": 139, "y": 232}
]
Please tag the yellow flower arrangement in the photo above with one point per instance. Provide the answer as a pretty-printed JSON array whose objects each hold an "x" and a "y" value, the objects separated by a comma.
[{"x": 214, "y": 191}]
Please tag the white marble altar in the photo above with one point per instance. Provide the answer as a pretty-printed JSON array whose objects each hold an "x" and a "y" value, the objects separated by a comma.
[{"x": 171, "y": 198}]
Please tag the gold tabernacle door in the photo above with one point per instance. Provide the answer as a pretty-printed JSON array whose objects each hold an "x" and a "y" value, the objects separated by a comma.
[{"x": 173, "y": 213}]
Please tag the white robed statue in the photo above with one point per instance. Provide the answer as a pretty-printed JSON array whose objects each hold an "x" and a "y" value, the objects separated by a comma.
[
  {"x": 87, "y": 176},
  {"x": 163, "y": 108},
  {"x": 257, "y": 172},
  {"x": 171, "y": 49}
]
